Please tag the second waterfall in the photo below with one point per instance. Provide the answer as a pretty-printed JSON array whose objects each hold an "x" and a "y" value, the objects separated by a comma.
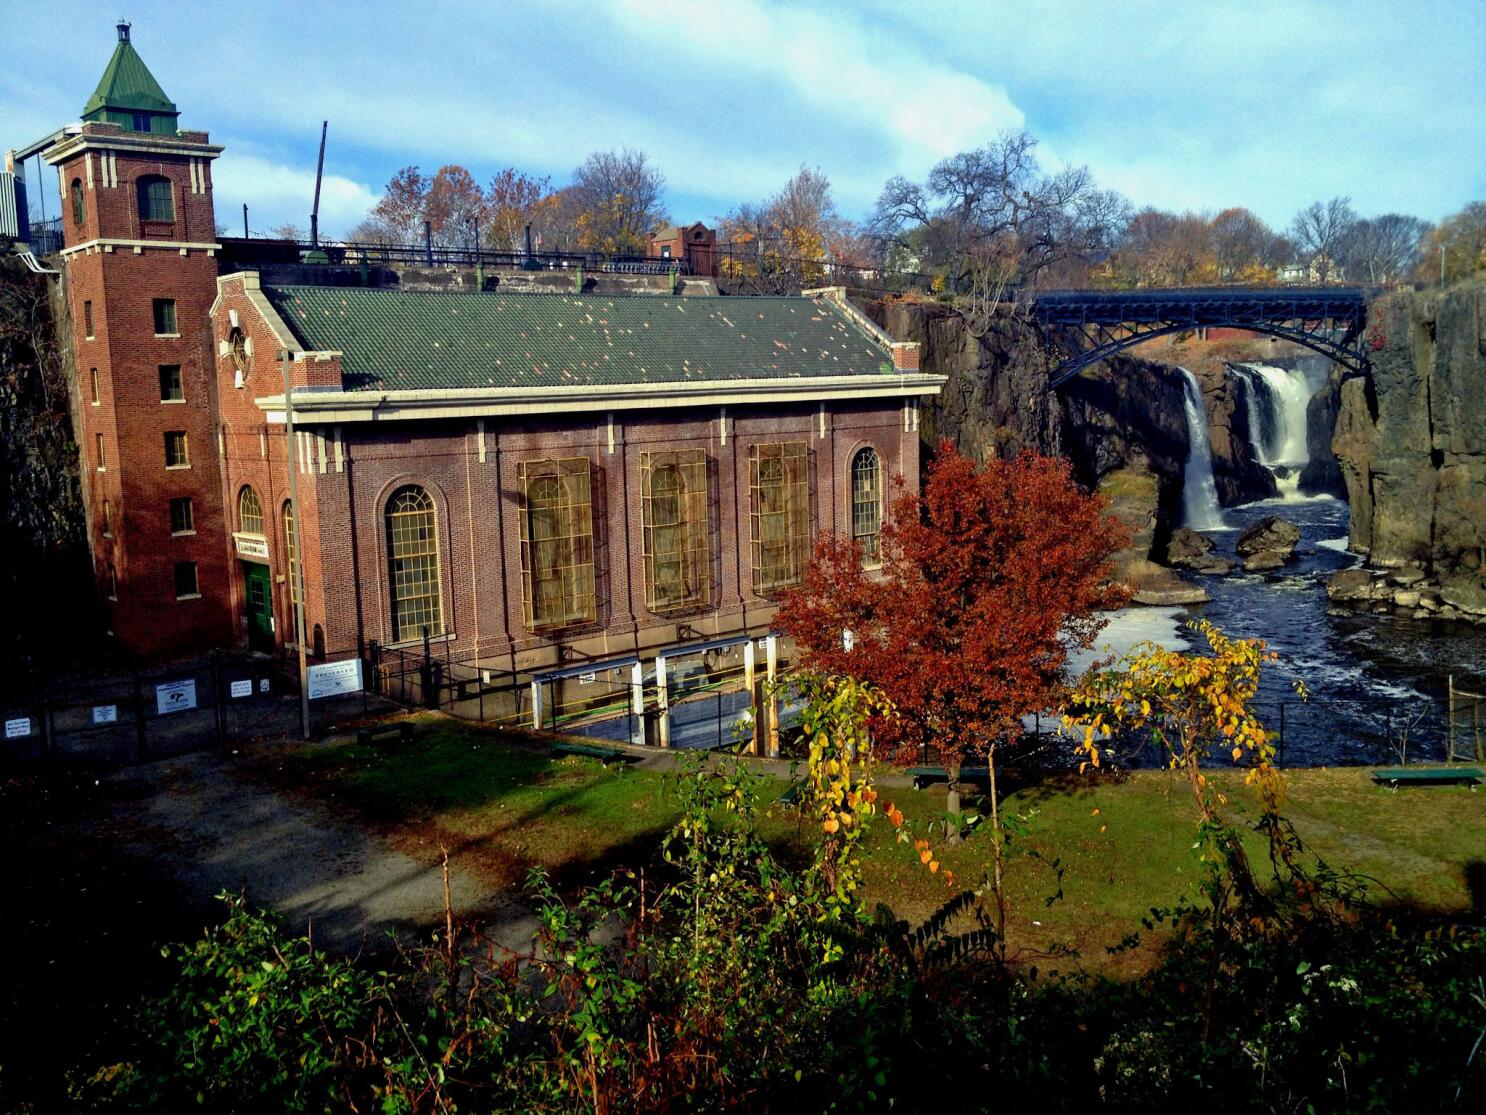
[{"x": 1200, "y": 508}]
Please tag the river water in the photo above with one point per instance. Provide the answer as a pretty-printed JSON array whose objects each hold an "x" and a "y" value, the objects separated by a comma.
[{"x": 1375, "y": 681}]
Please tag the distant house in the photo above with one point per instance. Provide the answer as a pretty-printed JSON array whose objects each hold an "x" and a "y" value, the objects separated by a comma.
[{"x": 696, "y": 244}]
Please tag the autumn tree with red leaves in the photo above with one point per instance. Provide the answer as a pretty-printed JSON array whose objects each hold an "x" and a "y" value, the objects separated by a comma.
[{"x": 988, "y": 579}]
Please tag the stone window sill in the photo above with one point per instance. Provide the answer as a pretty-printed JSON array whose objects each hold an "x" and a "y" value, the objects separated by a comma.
[
  {"x": 167, "y": 336},
  {"x": 175, "y": 468},
  {"x": 190, "y": 596},
  {"x": 447, "y": 637},
  {"x": 172, "y": 400},
  {"x": 182, "y": 534}
]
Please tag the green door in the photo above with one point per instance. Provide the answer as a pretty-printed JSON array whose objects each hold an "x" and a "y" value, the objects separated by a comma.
[{"x": 259, "y": 605}]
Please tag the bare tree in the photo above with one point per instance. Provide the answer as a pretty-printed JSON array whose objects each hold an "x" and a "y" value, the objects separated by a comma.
[
  {"x": 617, "y": 200},
  {"x": 1384, "y": 249},
  {"x": 992, "y": 219},
  {"x": 1320, "y": 231}
]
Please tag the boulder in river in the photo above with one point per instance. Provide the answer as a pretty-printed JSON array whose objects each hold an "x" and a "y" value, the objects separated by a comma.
[
  {"x": 1268, "y": 544},
  {"x": 1350, "y": 586},
  {"x": 1188, "y": 549}
]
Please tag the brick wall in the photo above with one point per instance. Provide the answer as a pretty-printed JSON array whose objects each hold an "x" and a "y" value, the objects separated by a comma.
[{"x": 121, "y": 282}]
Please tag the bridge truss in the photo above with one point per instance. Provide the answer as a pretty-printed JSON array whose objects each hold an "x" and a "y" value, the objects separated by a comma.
[{"x": 1091, "y": 325}]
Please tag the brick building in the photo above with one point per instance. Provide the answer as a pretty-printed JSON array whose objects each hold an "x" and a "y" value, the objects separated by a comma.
[
  {"x": 525, "y": 480},
  {"x": 541, "y": 479},
  {"x": 140, "y": 275}
]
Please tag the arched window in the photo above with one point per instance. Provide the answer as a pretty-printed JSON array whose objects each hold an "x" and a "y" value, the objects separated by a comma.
[
  {"x": 866, "y": 502},
  {"x": 77, "y": 202},
  {"x": 677, "y": 547},
  {"x": 249, "y": 512},
  {"x": 557, "y": 568},
  {"x": 413, "y": 564},
  {"x": 155, "y": 200}
]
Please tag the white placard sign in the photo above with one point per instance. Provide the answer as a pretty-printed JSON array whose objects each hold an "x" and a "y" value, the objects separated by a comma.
[
  {"x": 331, "y": 678},
  {"x": 587, "y": 679},
  {"x": 242, "y": 688},
  {"x": 263, "y": 685},
  {"x": 175, "y": 696},
  {"x": 105, "y": 714},
  {"x": 20, "y": 726}
]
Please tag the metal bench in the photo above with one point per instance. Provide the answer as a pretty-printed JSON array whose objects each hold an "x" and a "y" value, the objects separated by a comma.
[
  {"x": 605, "y": 755},
  {"x": 403, "y": 728},
  {"x": 923, "y": 776},
  {"x": 1394, "y": 777}
]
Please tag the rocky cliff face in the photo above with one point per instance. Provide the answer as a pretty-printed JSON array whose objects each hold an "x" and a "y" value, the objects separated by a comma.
[
  {"x": 1411, "y": 434},
  {"x": 1122, "y": 425}
]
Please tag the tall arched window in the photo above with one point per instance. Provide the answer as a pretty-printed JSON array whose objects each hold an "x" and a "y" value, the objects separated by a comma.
[
  {"x": 291, "y": 555},
  {"x": 249, "y": 512},
  {"x": 676, "y": 543},
  {"x": 866, "y": 502},
  {"x": 413, "y": 564},
  {"x": 77, "y": 202},
  {"x": 155, "y": 200}
]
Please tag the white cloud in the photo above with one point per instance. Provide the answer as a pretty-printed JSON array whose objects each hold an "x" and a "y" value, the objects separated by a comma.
[{"x": 277, "y": 194}]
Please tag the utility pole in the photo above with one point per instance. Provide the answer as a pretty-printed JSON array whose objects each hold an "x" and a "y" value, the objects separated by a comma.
[
  {"x": 298, "y": 571},
  {"x": 245, "y": 220},
  {"x": 319, "y": 173}
]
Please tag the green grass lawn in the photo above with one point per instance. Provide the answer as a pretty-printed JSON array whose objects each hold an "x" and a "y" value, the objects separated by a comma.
[{"x": 500, "y": 806}]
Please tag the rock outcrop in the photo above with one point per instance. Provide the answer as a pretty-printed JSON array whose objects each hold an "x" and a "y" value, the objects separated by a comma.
[
  {"x": 1410, "y": 592},
  {"x": 1322, "y": 474},
  {"x": 1411, "y": 433},
  {"x": 1267, "y": 544},
  {"x": 1187, "y": 549}
]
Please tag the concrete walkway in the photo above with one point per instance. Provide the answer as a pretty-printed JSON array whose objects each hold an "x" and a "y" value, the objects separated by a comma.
[{"x": 214, "y": 830}]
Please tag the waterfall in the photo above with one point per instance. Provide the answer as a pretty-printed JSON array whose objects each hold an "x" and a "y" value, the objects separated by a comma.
[
  {"x": 1200, "y": 509},
  {"x": 1276, "y": 401}
]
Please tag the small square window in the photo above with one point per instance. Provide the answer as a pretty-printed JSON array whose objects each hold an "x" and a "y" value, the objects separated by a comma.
[
  {"x": 98, "y": 443},
  {"x": 185, "y": 580},
  {"x": 181, "y": 519},
  {"x": 175, "y": 450},
  {"x": 171, "y": 390},
  {"x": 93, "y": 384},
  {"x": 88, "y": 319},
  {"x": 108, "y": 519},
  {"x": 165, "y": 323}
]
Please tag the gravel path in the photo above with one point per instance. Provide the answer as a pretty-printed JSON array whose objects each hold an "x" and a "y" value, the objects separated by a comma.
[{"x": 214, "y": 829}]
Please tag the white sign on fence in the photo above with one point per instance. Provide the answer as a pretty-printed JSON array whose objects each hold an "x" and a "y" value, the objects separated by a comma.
[
  {"x": 331, "y": 678},
  {"x": 263, "y": 685},
  {"x": 587, "y": 679},
  {"x": 242, "y": 688},
  {"x": 175, "y": 696},
  {"x": 105, "y": 714},
  {"x": 20, "y": 726}
]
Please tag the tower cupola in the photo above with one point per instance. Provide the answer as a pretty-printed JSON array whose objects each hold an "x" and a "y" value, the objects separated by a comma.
[{"x": 128, "y": 94}]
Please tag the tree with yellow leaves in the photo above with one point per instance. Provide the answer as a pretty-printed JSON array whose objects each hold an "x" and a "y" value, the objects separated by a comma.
[{"x": 1196, "y": 706}]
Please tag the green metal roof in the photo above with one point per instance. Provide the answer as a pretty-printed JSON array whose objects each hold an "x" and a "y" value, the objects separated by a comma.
[
  {"x": 415, "y": 340},
  {"x": 127, "y": 85}
]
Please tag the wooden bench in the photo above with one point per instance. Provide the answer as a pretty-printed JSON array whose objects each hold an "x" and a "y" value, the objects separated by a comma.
[
  {"x": 605, "y": 755},
  {"x": 1394, "y": 777},
  {"x": 403, "y": 728},
  {"x": 923, "y": 776},
  {"x": 794, "y": 795}
]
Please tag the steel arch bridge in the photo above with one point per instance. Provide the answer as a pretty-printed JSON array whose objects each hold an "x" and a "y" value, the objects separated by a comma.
[{"x": 1092, "y": 325}]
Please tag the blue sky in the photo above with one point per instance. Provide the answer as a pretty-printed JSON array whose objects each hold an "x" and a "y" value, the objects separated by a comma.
[{"x": 1199, "y": 105}]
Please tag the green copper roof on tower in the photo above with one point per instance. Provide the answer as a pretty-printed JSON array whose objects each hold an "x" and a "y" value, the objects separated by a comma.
[{"x": 129, "y": 95}]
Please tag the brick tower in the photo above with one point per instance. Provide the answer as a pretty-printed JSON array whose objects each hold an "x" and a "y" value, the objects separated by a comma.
[{"x": 140, "y": 270}]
